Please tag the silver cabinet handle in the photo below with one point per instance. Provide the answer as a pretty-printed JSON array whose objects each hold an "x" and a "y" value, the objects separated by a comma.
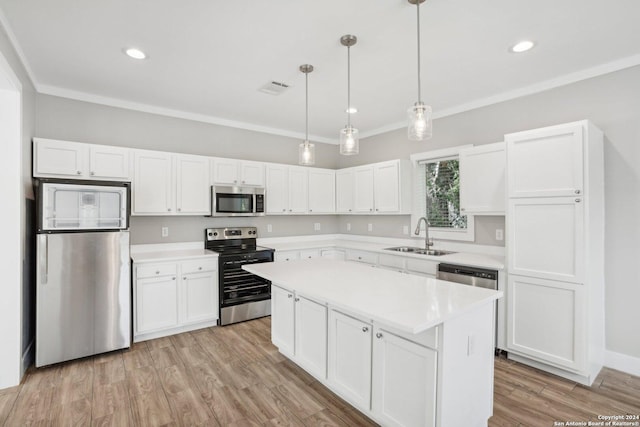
[
  {"x": 184, "y": 278},
  {"x": 92, "y": 173},
  {"x": 179, "y": 209},
  {"x": 370, "y": 209},
  {"x": 173, "y": 278},
  {"x": 284, "y": 210},
  {"x": 463, "y": 209},
  {"x": 243, "y": 181},
  {"x": 78, "y": 173},
  {"x": 377, "y": 209},
  {"x": 235, "y": 181},
  {"x": 577, "y": 191},
  {"x": 289, "y": 296},
  {"x": 297, "y": 299},
  {"x": 168, "y": 209},
  {"x": 199, "y": 268},
  {"x": 359, "y": 257},
  {"x": 310, "y": 210},
  {"x": 378, "y": 335},
  {"x": 157, "y": 272},
  {"x": 349, "y": 210},
  {"x": 290, "y": 210},
  {"x": 578, "y": 200},
  {"x": 365, "y": 329}
]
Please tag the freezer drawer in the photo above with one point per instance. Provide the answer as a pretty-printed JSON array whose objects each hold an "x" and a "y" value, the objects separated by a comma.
[{"x": 83, "y": 296}]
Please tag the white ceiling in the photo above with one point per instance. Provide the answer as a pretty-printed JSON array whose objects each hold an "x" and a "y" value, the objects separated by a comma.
[{"x": 208, "y": 58}]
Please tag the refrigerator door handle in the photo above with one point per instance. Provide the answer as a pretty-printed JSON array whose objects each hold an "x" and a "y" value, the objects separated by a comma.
[{"x": 43, "y": 262}]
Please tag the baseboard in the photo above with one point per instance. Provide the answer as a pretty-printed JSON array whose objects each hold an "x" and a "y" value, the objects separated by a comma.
[
  {"x": 622, "y": 362},
  {"x": 28, "y": 356}
]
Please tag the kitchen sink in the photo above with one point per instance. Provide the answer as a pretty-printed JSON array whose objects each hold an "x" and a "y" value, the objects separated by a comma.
[{"x": 420, "y": 251}]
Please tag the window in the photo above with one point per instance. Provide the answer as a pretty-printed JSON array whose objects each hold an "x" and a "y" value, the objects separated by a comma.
[
  {"x": 437, "y": 195},
  {"x": 442, "y": 182}
]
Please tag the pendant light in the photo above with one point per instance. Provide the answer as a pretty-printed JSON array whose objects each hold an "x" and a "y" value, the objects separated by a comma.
[
  {"x": 420, "y": 127},
  {"x": 349, "y": 135},
  {"x": 306, "y": 150}
]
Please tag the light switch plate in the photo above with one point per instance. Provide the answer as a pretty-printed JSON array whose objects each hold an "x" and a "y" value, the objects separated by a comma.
[
  {"x": 499, "y": 234},
  {"x": 370, "y": 227},
  {"x": 316, "y": 226},
  {"x": 165, "y": 231},
  {"x": 348, "y": 226},
  {"x": 269, "y": 228}
]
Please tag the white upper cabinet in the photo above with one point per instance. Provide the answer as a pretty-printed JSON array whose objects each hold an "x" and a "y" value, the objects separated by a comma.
[
  {"x": 152, "y": 189},
  {"x": 386, "y": 184},
  {"x": 379, "y": 188},
  {"x": 237, "y": 172},
  {"x": 322, "y": 191},
  {"x": 363, "y": 189},
  {"x": 170, "y": 184},
  {"x": 64, "y": 159},
  {"x": 277, "y": 189},
  {"x": 192, "y": 185},
  {"x": 298, "y": 189},
  {"x": 345, "y": 190},
  {"x": 546, "y": 162},
  {"x": 287, "y": 189},
  {"x": 482, "y": 179}
]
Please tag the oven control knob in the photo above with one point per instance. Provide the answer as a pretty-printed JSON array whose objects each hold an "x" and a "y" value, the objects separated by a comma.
[
  {"x": 215, "y": 233},
  {"x": 210, "y": 234}
]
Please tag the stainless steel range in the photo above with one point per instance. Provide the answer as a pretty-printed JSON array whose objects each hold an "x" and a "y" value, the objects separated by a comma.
[{"x": 243, "y": 295}]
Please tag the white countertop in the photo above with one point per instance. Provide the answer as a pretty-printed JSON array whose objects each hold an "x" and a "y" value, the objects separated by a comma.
[
  {"x": 460, "y": 258},
  {"x": 410, "y": 303},
  {"x": 169, "y": 252}
]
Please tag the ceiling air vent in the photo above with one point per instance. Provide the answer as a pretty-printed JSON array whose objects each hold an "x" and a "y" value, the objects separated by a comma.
[{"x": 274, "y": 88}]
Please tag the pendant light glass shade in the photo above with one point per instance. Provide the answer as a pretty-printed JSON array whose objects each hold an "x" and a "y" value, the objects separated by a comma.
[
  {"x": 420, "y": 127},
  {"x": 306, "y": 154},
  {"x": 306, "y": 150},
  {"x": 349, "y": 136},
  {"x": 349, "y": 142}
]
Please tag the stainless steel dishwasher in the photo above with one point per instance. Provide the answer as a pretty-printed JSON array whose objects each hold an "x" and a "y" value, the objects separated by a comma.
[{"x": 473, "y": 276}]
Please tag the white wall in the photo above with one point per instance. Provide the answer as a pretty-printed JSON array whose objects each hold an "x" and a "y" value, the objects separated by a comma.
[{"x": 17, "y": 112}]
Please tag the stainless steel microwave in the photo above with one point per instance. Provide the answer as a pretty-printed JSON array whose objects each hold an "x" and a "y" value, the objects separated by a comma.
[{"x": 237, "y": 201}]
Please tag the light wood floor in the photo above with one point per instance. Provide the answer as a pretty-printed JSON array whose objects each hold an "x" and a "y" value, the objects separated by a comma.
[{"x": 233, "y": 376}]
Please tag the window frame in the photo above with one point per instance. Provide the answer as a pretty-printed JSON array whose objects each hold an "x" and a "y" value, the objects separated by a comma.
[{"x": 466, "y": 235}]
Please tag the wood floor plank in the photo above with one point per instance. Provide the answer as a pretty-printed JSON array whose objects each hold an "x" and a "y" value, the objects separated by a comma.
[
  {"x": 234, "y": 376},
  {"x": 151, "y": 409}
]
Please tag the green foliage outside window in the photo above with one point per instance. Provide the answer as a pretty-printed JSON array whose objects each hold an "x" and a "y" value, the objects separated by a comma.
[{"x": 443, "y": 195}]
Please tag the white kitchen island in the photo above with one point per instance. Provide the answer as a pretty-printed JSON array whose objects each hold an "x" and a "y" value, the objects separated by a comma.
[{"x": 405, "y": 350}]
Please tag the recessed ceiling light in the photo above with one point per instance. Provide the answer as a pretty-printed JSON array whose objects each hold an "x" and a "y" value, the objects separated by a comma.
[
  {"x": 522, "y": 46},
  {"x": 135, "y": 53},
  {"x": 351, "y": 110}
]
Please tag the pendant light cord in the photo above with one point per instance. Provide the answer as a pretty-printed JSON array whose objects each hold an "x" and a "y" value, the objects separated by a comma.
[
  {"x": 418, "y": 19},
  {"x": 348, "y": 86},
  {"x": 306, "y": 108}
]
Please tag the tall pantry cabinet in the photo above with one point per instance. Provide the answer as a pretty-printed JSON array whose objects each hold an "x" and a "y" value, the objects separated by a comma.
[{"x": 555, "y": 240}]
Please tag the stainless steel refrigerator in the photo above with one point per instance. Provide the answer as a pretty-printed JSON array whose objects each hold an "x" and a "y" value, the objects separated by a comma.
[{"x": 83, "y": 291}]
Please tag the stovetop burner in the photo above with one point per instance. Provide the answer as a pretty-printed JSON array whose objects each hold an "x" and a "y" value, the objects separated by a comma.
[{"x": 237, "y": 240}]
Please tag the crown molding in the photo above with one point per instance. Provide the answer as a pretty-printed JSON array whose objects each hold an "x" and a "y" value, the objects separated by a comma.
[{"x": 4, "y": 22}]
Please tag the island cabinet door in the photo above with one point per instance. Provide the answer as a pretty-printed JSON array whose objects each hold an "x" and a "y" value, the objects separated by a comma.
[
  {"x": 404, "y": 381},
  {"x": 282, "y": 320},
  {"x": 311, "y": 336},
  {"x": 349, "y": 358}
]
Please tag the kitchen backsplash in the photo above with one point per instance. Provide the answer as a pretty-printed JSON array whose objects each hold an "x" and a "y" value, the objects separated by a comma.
[{"x": 148, "y": 229}]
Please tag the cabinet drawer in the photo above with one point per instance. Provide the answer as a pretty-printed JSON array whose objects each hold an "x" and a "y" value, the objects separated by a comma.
[
  {"x": 309, "y": 253},
  {"x": 361, "y": 256},
  {"x": 422, "y": 266},
  {"x": 199, "y": 265},
  {"x": 286, "y": 255},
  {"x": 395, "y": 262},
  {"x": 155, "y": 270}
]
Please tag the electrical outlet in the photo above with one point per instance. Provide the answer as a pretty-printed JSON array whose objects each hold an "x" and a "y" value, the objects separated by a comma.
[
  {"x": 499, "y": 234},
  {"x": 348, "y": 226},
  {"x": 370, "y": 227},
  {"x": 316, "y": 226},
  {"x": 405, "y": 229},
  {"x": 269, "y": 228},
  {"x": 165, "y": 231}
]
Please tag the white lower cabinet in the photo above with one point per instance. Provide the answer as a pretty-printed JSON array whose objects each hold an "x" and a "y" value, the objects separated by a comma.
[
  {"x": 546, "y": 321},
  {"x": 282, "y": 320},
  {"x": 173, "y": 297},
  {"x": 311, "y": 336},
  {"x": 404, "y": 381},
  {"x": 349, "y": 358}
]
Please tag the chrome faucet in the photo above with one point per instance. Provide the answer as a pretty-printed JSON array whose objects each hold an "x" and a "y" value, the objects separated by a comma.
[{"x": 427, "y": 242}]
